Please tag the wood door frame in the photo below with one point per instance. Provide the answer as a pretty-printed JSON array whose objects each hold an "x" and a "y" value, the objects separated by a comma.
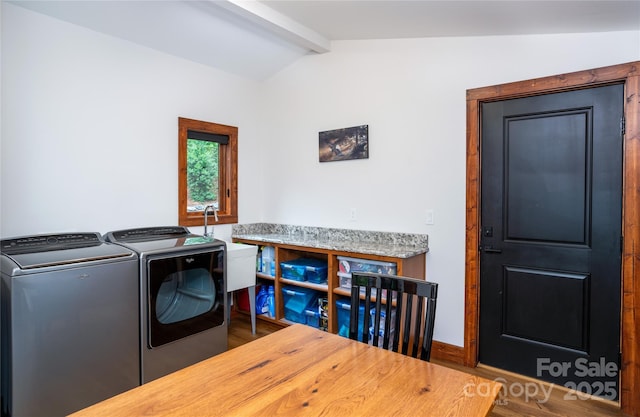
[{"x": 629, "y": 74}]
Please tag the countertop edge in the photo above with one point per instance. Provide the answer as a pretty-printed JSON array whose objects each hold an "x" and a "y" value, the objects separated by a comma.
[{"x": 320, "y": 241}]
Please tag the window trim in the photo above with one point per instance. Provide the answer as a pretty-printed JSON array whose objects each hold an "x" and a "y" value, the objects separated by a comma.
[{"x": 228, "y": 173}]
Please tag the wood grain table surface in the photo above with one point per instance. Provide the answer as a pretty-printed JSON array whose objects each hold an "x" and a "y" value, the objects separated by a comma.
[{"x": 303, "y": 371}]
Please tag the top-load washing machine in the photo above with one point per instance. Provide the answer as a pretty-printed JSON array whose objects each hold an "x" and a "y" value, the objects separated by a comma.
[
  {"x": 69, "y": 323},
  {"x": 183, "y": 293}
]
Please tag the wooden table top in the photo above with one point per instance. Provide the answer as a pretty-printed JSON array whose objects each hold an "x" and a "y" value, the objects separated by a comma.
[{"x": 303, "y": 371}]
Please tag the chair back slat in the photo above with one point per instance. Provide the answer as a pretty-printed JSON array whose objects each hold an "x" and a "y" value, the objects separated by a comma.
[
  {"x": 397, "y": 323},
  {"x": 387, "y": 325},
  {"x": 367, "y": 307},
  {"x": 416, "y": 328},
  {"x": 353, "y": 315},
  {"x": 429, "y": 317},
  {"x": 409, "y": 323}
]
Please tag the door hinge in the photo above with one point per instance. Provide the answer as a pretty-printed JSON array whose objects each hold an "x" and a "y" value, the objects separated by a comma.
[{"x": 622, "y": 125}]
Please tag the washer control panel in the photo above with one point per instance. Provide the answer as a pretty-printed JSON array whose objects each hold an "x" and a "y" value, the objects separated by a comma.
[
  {"x": 41, "y": 243},
  {"x": 148, "y": 233}
]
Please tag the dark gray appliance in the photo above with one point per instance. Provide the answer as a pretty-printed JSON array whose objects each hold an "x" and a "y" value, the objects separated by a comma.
[
  {"x": 69, "y": 323},
  {"x": 183, "y": 293}
]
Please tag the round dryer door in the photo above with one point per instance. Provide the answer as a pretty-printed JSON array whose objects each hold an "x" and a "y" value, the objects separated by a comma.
[{"x": 186, "y": 295}]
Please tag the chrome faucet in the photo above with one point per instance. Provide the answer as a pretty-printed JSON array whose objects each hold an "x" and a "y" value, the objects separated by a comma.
[{"x": 206, "y": 214}]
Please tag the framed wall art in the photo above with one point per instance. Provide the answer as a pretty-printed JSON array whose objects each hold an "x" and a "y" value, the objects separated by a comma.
[{"x": 344, "y": 144}]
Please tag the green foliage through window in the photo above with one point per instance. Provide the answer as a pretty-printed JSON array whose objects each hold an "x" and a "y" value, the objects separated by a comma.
[{"x": 202, "y": 171}]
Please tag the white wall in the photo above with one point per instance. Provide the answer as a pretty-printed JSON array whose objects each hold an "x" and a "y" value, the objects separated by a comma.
[
  {"x": 90, "y": 128},
  {"x": 89, "y": 132},
  {"x": 411, "y": 93}
]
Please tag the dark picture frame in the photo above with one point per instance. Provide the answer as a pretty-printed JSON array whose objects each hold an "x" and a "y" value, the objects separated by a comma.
[{"x": 344, "y": 144}]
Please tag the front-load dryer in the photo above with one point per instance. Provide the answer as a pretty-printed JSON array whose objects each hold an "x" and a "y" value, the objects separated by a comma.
[
  {"x": 69, "y": 323},
  {"x": 183, "y": 293}
]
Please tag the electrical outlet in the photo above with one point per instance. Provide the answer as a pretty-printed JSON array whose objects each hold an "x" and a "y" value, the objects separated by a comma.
[
  {"x": 429, "y": 217},
  {"x": 354, "y": 215}
]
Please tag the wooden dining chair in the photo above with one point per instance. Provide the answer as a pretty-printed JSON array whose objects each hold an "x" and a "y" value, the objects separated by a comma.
[{"x": 414, "y": 302}]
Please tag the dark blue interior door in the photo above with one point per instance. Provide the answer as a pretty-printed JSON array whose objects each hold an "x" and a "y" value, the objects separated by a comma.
[{"x": 551, "y": 237}]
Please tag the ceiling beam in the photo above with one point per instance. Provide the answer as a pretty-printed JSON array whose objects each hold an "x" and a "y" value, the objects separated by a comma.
[{"x": 277, "y": 23}]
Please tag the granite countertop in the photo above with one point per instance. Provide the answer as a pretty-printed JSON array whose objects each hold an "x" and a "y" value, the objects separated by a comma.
[{"x": 396, "y": 245}]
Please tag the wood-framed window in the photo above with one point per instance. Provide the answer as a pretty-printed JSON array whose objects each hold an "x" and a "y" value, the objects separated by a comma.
[{"x": 207, "y": 171}]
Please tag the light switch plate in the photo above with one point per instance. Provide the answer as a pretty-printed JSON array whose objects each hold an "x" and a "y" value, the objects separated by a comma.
[
  {"x": 353, "y": 216},
  {"x": 430, "y": 217}
]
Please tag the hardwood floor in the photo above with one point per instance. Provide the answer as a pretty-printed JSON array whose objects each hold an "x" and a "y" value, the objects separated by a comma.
[{"x": 522, "y": 396}]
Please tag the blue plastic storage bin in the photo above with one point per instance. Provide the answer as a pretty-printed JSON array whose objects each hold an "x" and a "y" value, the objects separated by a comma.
[
  {"x": 313, "y": 317},
  {"x": 343, "y": 306},
  {"x": 305, "y": 269},
  {"x": 296, "y": 301}
]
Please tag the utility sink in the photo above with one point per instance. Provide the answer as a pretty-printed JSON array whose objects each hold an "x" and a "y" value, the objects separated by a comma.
[
  {"x": 241, "y": 273},
  {"x": 241, "y": 265}
]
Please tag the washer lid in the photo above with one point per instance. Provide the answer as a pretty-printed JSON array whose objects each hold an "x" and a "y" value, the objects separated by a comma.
[
  {"x": 59, "y": 249},
  {"x": 148, "y": 233},
  {"x": 163, "y": 239}
]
